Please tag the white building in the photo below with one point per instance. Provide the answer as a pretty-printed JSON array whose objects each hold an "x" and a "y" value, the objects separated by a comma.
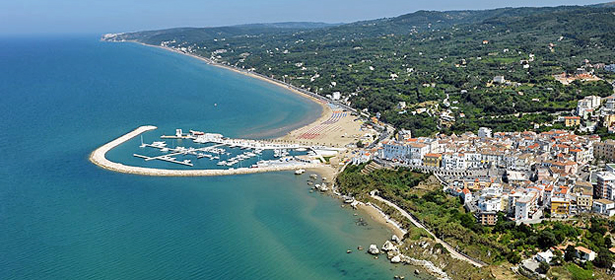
[
  {"x": 417, "y": 152},
  {"x": 410, "y": 153},
  {"x": 489, "y": 204},
  {"x": 404, "y": 134},
  {"x": 484, "y": 132},
  {"x": 525, "y": 206},
  {"x": 512, "y": 202},
  {"x": 545, "y": 256},
  {"x": 453, "y": 161},
  {"x": 594, "y": 101},
  {"x": 604, "y": 206},
  {"x": 499, "y": 79},
  {"x": 362, "y": 157},
  {"x": 587, "y": 104},
  {"x": 585, "y": 254},
  {"x": 337, "y": 95},
  {"x": 473, "y": 160},
  {"x": 393, "y": 150},
  {"x": 609, "y": 105},
  {"x": 603, "y": 180}
]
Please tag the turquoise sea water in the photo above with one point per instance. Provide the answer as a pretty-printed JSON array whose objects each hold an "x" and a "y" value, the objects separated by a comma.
[{"x": 64, "y": 218}]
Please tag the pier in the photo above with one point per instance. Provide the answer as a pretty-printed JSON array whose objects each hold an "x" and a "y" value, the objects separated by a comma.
[
  {"x": 166, "y": 158},
  {"x": 98, "y": 157}
]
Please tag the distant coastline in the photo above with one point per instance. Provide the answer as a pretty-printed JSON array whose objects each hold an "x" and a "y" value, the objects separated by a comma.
[
  {"x": 323, "y": 170},
  {"x": 326, "y": 110},
  {"x": 98, "y": 156}
]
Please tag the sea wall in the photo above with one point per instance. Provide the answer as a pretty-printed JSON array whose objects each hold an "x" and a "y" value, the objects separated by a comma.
[{"x": 98, "y": 157}]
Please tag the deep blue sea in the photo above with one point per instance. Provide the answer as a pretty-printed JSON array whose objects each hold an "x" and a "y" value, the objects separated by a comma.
[{"x": 61, "y": 217}]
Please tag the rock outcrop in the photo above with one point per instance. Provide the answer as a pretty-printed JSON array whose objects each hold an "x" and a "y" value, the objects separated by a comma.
[
  {"x": 373, "y": 249},
  {"x": 388, "y": 246},
  {"x": 395, "y": 239},
  {"x": 396, "y": 259}
]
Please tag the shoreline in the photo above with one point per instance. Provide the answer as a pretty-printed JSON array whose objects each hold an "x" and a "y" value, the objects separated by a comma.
[
  {"x": 381, "y": 218},
  {"x": 324, "y": 171},
  {"x": 98, "y": 156},
  {"x": 325, "y": 114}
]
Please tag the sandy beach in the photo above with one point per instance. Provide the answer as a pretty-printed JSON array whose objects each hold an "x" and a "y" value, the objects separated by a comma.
[
  {"x": 334, "y": 127},
  {"x": 380, "y": 218}
]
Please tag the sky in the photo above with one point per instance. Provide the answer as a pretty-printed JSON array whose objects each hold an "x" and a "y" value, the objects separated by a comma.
[{"x": 102, "y": 16}]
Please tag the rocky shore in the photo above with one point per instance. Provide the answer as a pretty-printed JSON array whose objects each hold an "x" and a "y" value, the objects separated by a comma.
[{"x": 394, "y": 255}]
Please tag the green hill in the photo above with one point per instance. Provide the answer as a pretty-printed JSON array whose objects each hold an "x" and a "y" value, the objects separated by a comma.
[{"x": 423, "y": 57}]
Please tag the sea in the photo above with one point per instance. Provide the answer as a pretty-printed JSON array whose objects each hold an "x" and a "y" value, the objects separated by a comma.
[{"x": 62, "y": 217}]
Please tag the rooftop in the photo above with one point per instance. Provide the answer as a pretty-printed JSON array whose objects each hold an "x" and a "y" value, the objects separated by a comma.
[
  {"x": 603, "y": 201},
  {"x": 583, "y": 249}
]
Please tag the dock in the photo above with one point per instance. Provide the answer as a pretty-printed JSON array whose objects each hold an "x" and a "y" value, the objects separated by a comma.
[
  {"x": 252, "y": 148},
  {"x": 166, "y": 158},
  {"x": 98, "y": 157}
]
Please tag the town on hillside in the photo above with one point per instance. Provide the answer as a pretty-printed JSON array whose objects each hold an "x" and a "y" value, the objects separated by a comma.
[{"x": 527, "y": 177}]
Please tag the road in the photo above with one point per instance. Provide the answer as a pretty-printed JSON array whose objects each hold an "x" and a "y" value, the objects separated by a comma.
[
  {"x": 454, "y": 253},
  {"x": 384, "y": 135}
]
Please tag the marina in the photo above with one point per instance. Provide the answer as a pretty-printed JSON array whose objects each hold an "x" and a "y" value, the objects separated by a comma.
[
  {"x": 223, "y": 152},
  {"x": 224, "y": 156},
  {"x": 69, "y": 219}
]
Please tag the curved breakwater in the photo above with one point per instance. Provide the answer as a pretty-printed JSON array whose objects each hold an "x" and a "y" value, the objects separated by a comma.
[{"x": 98, "y": 157}]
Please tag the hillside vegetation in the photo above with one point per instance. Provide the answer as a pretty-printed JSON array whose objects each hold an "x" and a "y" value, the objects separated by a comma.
[{"x": 446, "y": 58}]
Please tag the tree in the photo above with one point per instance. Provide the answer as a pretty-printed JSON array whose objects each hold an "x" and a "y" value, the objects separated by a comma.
[
  {"x": 558, "y": 258},
  {"x": 604, "y": 259},
  {"x": 570, "y": 254},
  {"x": 546, "y": 239},
  {"x": 360, "y": 144},
  {"x": 467, "y": 220},
  {"x": 544, "y": 267},
  {"x": 513, "y": 257}
]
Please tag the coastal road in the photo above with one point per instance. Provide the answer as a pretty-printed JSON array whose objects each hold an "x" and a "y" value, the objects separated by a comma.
[{"x": 454, "y": 253}]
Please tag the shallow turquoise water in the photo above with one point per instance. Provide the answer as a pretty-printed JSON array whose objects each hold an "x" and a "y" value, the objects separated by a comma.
[{"x": 64, "y": 218}]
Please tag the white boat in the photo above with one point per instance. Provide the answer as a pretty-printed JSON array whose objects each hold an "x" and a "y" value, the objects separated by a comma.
[
  {"x": 159, "y": 144},
  {"x": 301, "y": 150},
  {"x": 299, "y": 171}
]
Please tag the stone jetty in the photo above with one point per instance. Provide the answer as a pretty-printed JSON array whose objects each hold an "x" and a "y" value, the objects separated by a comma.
[{"x": 98, "y": 157}]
